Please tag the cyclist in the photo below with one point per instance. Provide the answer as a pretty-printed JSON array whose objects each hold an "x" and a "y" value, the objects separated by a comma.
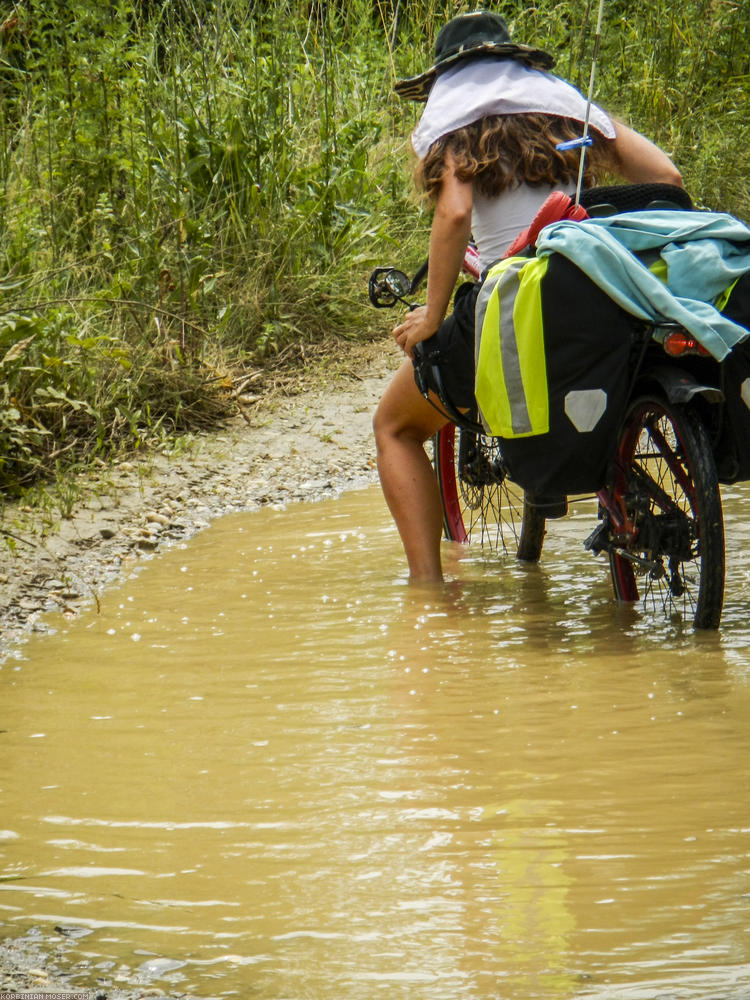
[{"x": 487, "y": 159}]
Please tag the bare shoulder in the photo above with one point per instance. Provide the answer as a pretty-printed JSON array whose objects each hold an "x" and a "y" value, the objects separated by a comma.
[{"x": 639, "y": 160}]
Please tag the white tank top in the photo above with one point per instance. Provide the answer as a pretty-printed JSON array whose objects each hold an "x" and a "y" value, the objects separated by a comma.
[{"x": 495, "y": 222}]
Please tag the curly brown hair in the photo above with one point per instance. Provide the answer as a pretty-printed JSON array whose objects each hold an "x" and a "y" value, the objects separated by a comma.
[{"x": 502, "y": 151}]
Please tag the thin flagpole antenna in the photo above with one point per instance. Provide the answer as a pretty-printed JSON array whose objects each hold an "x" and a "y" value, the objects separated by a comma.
[{"x": 586, "y": 139}]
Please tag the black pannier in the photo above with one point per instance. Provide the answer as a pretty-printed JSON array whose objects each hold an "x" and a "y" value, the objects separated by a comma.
[
  {"x": 587, "y": 343},
  {"x": 732, "y": 450}
]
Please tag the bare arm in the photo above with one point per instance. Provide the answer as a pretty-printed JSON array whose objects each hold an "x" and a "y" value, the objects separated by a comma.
[
  {"x": 451, "y": 229},
  {"x": 638, "y": 160}
]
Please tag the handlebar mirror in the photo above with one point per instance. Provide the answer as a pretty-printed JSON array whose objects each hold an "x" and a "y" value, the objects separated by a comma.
[
  {"x": 388, "y": 286},
  {"x": 398, "y": 283}
]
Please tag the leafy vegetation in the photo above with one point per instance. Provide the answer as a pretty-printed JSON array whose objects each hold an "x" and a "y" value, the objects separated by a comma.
[{"x": 188, "y": 188}]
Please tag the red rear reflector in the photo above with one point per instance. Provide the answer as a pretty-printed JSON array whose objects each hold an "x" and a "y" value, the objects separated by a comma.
[{"x": 679, "y": 342}]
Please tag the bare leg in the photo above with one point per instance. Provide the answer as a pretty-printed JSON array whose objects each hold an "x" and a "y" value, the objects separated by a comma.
[{"x": 403, "y": 421}]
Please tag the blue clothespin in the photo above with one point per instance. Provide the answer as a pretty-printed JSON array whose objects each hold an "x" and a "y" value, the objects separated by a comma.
[{"x": 575, "y": 143}]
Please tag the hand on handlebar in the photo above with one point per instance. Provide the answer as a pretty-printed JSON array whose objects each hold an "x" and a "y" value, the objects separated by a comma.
[{"x": 414, "y": 329}]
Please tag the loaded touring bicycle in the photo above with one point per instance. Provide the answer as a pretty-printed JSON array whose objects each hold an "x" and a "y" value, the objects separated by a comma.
[{"x": 627, "y": 391}]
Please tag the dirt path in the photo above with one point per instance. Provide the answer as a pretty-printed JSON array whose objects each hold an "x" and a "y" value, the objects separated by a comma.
[{"x": 315, "y": 443}]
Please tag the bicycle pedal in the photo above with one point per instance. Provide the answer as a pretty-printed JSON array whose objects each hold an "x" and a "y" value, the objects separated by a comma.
[{"x": 597, "y": 541}]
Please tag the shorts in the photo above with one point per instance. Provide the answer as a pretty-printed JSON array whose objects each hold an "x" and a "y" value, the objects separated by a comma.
[{"x": 452, "y": 350}]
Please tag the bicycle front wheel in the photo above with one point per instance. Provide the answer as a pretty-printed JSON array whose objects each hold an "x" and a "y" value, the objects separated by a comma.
[
  {"x": 665, "y": 481},
  {"x": 480, "y": 504}
]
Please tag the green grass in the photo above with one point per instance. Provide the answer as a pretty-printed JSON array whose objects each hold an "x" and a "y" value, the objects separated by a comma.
[{"x": 190, "y": 188}]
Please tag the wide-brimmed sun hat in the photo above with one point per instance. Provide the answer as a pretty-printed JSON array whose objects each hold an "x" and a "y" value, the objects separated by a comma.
[{"x": 469, "y": 36}]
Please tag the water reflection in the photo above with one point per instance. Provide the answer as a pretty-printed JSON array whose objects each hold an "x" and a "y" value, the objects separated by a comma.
[{"x": 270, "y": 766}]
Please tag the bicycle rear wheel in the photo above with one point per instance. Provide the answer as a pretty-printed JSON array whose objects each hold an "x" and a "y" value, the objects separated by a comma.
[
  {"x": 480, "y": 504},
  {"x": 665, "y": 481}
]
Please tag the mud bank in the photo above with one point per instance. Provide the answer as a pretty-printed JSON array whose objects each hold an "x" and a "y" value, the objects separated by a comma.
[{"x": 305, "y": 446}]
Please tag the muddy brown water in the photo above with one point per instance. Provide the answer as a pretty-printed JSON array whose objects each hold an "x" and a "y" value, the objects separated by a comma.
[{"x": 269, "y": 768}]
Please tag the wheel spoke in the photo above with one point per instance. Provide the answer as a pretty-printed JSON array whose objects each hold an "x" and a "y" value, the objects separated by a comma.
[
  {"x": 669, "y": 489},
  {"x": 480, "y": 504},
  {"x": 655, "y": 489},
  {"x": 669, "y": 455}
]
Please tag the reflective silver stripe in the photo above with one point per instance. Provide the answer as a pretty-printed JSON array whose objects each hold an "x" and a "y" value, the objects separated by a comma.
[
  {"x": 520, "y": 420},
  {"x": 519, "y": 411},
  {"x": 480, "y": 310},
  {"x": 488, "y": 287}
]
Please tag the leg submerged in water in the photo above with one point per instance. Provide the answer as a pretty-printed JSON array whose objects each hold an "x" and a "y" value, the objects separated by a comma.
[{"x": 403, "y": 422}]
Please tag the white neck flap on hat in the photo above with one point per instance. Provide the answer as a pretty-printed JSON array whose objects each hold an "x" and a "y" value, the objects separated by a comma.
[{"x": 481, "y": 87}]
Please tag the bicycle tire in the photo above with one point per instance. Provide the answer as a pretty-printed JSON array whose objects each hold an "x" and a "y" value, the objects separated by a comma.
[
  {"x": 480, "y": 504},
  {"x": 665, "y": 479}
]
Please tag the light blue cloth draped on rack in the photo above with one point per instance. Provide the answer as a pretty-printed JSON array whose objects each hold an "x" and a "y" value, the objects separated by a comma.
[{"x": 704, "y": 253}]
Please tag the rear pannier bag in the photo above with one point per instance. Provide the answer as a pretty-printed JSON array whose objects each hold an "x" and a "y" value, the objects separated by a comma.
[
  {"x": 552, "y": 372},
  {"x": 732, "y": 451}
]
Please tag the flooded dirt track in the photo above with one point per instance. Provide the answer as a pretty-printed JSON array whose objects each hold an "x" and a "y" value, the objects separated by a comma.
[{"x": 270, "y": 769}]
